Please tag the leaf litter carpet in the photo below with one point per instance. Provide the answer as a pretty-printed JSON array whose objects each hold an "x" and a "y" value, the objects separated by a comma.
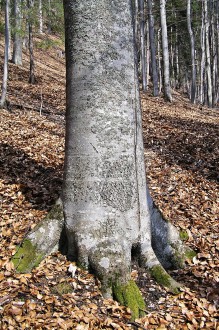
[{"x": 181, "y": 150}]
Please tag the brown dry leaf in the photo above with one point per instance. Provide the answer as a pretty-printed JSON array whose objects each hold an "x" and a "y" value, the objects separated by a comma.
[
  {"x": 15, "y": 310},
  {"x": 82, "y": 327}
]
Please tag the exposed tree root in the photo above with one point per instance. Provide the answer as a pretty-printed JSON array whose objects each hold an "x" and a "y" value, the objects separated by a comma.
[
  {"x": 41, "y": 241},
  {"x": 109, "y": 260},
  {"x": 129, "y": 295}
]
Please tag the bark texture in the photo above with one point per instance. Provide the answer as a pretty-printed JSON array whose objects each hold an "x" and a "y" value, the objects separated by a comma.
[
  {"x": 107, "y": 209},
  {"x": 153, "y": 48},
  {"x": 102, "y": 185},
  {"x": 17, "y": 38},
  {"x": 192, "y": 44},
  {"x": 32, "y": 78},
  {"x": 3, "y": 102},
  {"x": 166, "y": 65}
]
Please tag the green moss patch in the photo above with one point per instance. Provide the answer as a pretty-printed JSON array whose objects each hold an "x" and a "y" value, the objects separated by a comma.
[
  {"x": 160, "y": 275},
  {"x": 163, "y": 278},
  {"x": 27, "y": 257},
  {"x": 179, "y": 257},
  {"x": 129, "y": 295},
  {"x": 189, "y": 254},
  {"x": 183, "y": 235}
]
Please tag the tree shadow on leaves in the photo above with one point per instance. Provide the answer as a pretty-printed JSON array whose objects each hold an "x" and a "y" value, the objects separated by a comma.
[
  {"x": 191, "y": 144},
  {"x": 41, "y": 185}
]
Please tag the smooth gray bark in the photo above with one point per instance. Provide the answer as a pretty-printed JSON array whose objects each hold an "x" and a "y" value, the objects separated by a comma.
[
  {"x": 6, "y": 57},
  {"x": 107, "y": 208},
  {"x": 32, "y": 78},
  {"x": 40, "y": 17},
  {"x": 142, "y": 43},
  {"x": 172, "y": 55},
  {"x": 108, "y": 211},
  {"x": 153, "y": 48},
  {"x": 166, "y": 65},
  {"x": 202, "y": 64},
  {"x": 17, "y": 38},
  {"x": 159, "y": 60},
  {"x": 9, "y": 30},
  {"x": 217, "y": 51},
  {"x": 192, "y": 51},
  {"x": 178, "y": 82},
  {"x": 214, "y": 18},
  {"x": 208, "y": 56},
  {"x": 102, "y": 192}
]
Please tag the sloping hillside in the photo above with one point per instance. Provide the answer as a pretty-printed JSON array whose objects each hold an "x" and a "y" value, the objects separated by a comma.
[{"x": 182, "y": 156}]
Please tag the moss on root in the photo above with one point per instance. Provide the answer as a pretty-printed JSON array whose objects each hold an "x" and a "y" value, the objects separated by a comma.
[
  {"x": 160, "y": 275},
  {"x": 129, "y": 295},
  {"x": 180, "y": 256},
  {"x": 26, "y": 257},
  {"x": 163, "y": 278},
  {"x": 183, "y": 235},
  {"x": 189, "y": 254}
]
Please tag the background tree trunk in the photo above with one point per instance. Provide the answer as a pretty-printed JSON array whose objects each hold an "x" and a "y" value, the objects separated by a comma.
[
  {"x": 17, "y": 39},
  {"x": 165, "y": 51},
  {"x": 192, "y": 43},
  {"x": 142, "y": 43},
  {"x": 214, "y": 17},
  {"x": 159, "y": 60},
  {"x": 32, "y": 78},
  {"x": 40, "y": 17},
  {"x": 202, "y": 64},
  {"x": 208, "y": 56},
  {"x": 5, "y": 73},
  {"x": 153, "y": 49}
]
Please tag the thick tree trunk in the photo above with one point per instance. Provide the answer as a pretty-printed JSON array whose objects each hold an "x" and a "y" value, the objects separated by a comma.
[
  {"x": 103, "y": 105},
  {"x": 108, "y": 210}
]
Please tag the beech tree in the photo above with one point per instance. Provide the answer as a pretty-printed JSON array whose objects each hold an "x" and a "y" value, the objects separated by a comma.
[
  {"x": 105, "y": 214},
  {"x": 17, "y": 38},
  {"x": 6, "y": 57},
  {"x": 192, "y": 43},
  {"x": 142, "y": 45},
  {"x": 165, "y": 51},
  {"x": 30, "y": 6},
  {"x": 208, "y": 54},
  {"x": 40, "y": 17},
  {"x": 153, "y": 48}
]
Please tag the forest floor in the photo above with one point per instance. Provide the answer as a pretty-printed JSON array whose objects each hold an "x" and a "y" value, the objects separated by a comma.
[{"x": 182, "y": 157}]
